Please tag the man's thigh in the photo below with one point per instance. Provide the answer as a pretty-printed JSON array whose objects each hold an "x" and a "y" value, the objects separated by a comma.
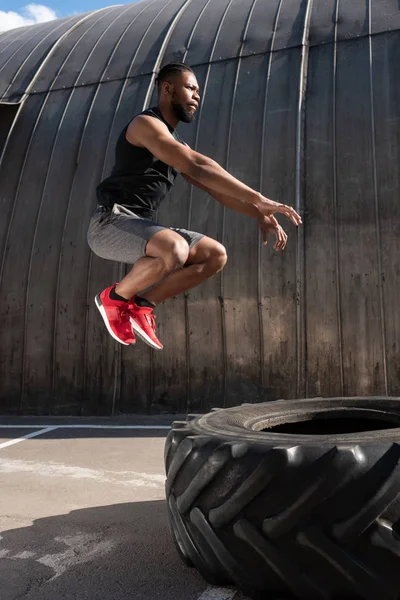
[
  {"x": 205, "y": 249},
  {"x": 166, "y": 240},
  {"x": 121, "y": 237}
]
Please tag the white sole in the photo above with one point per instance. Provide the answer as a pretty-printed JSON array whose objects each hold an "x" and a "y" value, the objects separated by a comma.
[
  {"x": 103, "y": 314},
  {"x": 143, "y": 336}
]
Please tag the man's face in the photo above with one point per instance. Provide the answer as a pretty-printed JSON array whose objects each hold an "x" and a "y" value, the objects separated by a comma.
[{"x": 185, "y": 96}]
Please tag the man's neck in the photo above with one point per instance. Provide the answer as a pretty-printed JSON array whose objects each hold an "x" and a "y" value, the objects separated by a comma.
[{"x": 168, "y": 114}]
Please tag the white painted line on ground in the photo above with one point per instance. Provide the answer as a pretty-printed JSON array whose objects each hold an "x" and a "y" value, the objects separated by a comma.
[
  {"x": 56, "y": 469},
  {"x": 27, "y": 436},
  {"x": 217, "y": 593},
  {"x": 85, "y": 427}
]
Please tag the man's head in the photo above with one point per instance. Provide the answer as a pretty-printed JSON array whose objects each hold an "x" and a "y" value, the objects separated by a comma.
[{"x": 177, "y": 86}]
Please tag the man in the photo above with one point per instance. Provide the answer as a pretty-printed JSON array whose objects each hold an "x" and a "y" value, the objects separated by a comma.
[{"x": 166, "y": 261}]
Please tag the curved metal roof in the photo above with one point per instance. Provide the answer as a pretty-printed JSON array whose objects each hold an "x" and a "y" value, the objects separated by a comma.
[{"x": 125, "y": 41}]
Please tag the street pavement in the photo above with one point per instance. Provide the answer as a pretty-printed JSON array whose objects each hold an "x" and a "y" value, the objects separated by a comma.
[{"x": 83, "y": 514}]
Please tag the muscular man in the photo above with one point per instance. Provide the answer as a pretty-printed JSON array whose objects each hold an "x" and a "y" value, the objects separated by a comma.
[{"x": 166, "y": 260}]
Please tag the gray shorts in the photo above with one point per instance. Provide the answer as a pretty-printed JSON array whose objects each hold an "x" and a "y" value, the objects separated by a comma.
[{"x": 122, "y": 236}]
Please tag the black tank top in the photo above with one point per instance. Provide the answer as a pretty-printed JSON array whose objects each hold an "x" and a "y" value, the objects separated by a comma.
[{"x": 138, "y": 180}]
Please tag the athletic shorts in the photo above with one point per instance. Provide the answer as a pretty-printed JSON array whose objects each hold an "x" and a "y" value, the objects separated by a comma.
[{"x": 120, "y": 235}]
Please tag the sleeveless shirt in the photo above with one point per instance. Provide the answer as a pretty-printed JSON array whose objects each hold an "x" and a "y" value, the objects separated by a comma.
[{"x": 139, "y": 181}]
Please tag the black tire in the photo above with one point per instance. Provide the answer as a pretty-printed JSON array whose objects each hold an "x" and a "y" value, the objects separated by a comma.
[{"x": 309, "y": 508}]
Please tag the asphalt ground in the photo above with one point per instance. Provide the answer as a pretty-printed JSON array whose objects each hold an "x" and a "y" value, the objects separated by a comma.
[{"x": 83, "y": 514}]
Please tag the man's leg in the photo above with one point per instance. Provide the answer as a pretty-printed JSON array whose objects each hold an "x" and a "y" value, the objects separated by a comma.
[
  {"x": 204, "y": 260},
  {"x": 166, "y": 251}
]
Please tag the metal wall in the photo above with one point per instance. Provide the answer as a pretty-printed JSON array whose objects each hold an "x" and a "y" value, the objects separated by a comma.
[{"x": 300, "y": 100}]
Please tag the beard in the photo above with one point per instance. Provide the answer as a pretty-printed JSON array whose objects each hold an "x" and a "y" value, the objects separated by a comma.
[{"x": 181, "y": 112}]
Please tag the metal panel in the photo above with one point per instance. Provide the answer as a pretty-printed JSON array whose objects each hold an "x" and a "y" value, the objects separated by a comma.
[
  {"x": 278, "y": 274},
  {"x": 21, "y": 62},
  {"x": 83, "y": 353},
  {"x": 20, "y": 239},
  {"x": 230, "y": 40},
  {"x": 386, "y": 56},
  {"x": 353, "y": 19},
  {"x": 205, "y": 304},
  {"x": 7, "y": 37},
  {"x": 290, "y": 26},
  {"x": 105, "y": 46},
  {"x": 385, "y": 15},
  {"x": 182, "y": 35},
  {"x": 241, "y": 237},
  {"x": 48, "y": 237},
  {"x": 28, "y": 46},
  {"x": 71, "y": 68},
  {"x": 153, "y": 41},
  {"x": 8, "y": 112},
  {"x": 206, "y": 318},
  {"x": 18, "y": 39},
  {"x": 11, "y": 40},
  {"x": 126, "y": 50},
  {"x": 47, "y": 77},
  {"x": 363, "y": 354},
  {"x": 262, "y": 27},
  {"x": 204, "y": 36},
  {"x": 323, "y": 22},
  {"x": 322, "y": 280},
  {"x": 11, "y": 309}
]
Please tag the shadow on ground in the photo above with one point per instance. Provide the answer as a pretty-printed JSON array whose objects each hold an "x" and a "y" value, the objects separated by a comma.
[{"x": 116, "y": 552}]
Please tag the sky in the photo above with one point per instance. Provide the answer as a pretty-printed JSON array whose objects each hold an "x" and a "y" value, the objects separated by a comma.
[{"x": 14, "y": 14}]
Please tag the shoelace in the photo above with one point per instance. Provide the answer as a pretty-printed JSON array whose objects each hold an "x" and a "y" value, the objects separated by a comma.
[{"x": 151, "y": 319}]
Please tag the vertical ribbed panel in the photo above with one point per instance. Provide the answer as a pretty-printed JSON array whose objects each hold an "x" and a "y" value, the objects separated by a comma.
[
  {"x": 387, "y": 118},
  {"x": 322, "y": 299}
]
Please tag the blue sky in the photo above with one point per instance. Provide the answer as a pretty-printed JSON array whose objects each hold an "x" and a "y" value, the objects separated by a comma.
[{"x": 17, "y": 14}]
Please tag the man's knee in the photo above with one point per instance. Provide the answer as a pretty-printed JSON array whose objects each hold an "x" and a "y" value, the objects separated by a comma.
[
  {"x": 170, "y": 248},
  {"x": 218, "y": 257},
  {"x": 176, "y": 254}
]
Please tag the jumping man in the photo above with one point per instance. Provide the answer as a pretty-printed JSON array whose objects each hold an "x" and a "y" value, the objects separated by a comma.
[{"x": 166, "y": 260}]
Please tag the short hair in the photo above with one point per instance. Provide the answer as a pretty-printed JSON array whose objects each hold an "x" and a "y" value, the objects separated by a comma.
[{"x": 174, "y": 68}]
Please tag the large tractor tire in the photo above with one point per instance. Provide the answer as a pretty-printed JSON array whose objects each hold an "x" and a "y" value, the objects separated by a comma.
[{"x": 296, "y": 499}]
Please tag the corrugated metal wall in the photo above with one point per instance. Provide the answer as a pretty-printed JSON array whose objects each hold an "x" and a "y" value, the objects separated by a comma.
[{"x": 300, "y": 100}]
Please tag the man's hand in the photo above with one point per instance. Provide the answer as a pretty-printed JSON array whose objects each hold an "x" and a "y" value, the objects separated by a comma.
[
  {"x": 271, "y": 225},
  {"x": 268, "y": 207}
]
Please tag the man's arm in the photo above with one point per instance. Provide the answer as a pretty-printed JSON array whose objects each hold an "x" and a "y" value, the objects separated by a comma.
[
  {"x": 243, "y": 207},
  {"x": 267, "y": 224},
  {"x": 150, "y": 133}
]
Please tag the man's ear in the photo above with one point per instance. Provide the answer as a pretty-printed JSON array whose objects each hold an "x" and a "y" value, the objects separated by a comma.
[{"x": 166, "y": 87}]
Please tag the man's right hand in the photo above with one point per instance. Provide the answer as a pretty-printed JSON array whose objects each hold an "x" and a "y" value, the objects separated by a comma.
[{"x": 268, "y": 207}]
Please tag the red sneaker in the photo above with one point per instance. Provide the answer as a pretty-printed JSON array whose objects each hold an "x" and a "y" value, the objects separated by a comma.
[
  {"x": 144, "y": 324},
  {"x": 116, "y": 315}
]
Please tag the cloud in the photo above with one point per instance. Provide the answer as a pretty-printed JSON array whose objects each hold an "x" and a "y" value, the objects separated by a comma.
[{"x": 29, "y": 15}]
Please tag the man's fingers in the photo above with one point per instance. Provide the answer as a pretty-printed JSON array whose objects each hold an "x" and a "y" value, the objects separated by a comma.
[
  {"x": 289, "y": 212},
  {"x": 283, "y": 239},
  {"x": 274, "y": 222},
  {"x": 280, "y": 236}
]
